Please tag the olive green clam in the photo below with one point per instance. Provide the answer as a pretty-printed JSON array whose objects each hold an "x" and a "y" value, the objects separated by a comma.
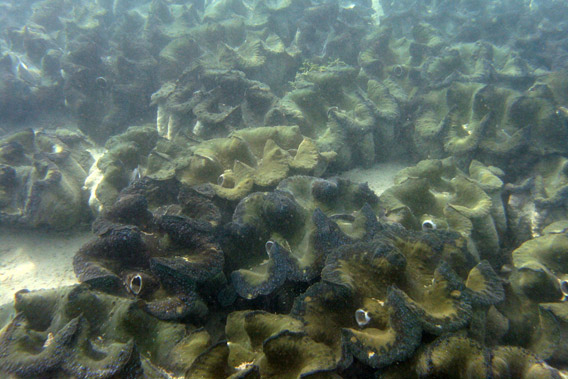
[{"x": 540, "y": 268}]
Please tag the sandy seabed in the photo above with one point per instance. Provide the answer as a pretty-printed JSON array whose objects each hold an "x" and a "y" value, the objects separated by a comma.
[
  {"x": 379, "y": 177},
  {"x": 34, "y": 260}
]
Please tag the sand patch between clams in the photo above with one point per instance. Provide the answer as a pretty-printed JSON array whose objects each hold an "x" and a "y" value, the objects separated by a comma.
[
  {"x": 379, "y": 177},
  {"x": 35, "y": 260}
]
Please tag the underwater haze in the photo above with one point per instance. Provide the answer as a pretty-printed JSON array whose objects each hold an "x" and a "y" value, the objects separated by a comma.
[{"x": 283, "y": 189}]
